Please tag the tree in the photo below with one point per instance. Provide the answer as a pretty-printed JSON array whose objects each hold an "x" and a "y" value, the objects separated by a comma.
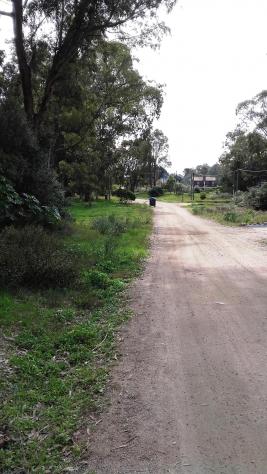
[
  {"x": 159, "y": 154},
  {"x": 202, "y": 170},
  {"x": 243, "y": 151},
  {"x": 49, "y": 36},
  {"x": 253, "y": 114},
  {"x": 171, "y": 182},
  {"x": 103, "y": 125}
]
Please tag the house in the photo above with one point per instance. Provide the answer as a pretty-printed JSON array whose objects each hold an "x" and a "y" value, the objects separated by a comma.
[{"x": 205, "y": 181}]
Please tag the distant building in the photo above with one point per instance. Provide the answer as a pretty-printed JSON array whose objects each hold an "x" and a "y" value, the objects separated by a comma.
[{"x": 205, "y": 181}]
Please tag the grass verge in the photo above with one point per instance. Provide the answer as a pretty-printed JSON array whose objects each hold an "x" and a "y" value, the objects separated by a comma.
[
  {"x": 186, "y": 197},
  {"x": 57, "y": 344},
  {"x": 229, "y": 214}
]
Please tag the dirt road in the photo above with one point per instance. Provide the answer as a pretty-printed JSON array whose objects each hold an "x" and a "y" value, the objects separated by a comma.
[{"x": 189, "y": 394}]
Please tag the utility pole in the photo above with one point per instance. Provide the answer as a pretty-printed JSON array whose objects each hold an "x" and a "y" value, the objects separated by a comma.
[{"x": 192, "y": 186}]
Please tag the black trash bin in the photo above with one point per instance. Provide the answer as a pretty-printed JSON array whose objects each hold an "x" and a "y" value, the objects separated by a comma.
[{"x": 152, "y": 201}]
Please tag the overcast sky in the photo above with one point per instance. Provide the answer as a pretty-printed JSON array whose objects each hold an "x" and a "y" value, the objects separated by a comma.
[{"x": 215, "y": 58}]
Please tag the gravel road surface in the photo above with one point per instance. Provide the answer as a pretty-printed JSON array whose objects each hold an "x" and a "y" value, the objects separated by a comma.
[{"x": 189, "y": 394}]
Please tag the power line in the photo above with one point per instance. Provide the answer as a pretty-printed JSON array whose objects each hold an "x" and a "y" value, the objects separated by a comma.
[{"x": 251, "y": 171}]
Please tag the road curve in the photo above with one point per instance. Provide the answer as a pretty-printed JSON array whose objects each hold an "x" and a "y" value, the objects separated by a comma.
[{"x": 189, "y": 394}]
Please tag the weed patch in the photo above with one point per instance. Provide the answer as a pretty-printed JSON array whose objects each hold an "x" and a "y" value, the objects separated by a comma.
[{"x": 229, "y": 214}]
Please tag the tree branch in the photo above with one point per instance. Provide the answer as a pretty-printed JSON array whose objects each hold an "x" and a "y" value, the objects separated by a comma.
[{"x": 6, "y": 13}]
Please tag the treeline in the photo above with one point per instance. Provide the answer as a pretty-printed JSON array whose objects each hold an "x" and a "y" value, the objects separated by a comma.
[
  {"x": 76, "y": 116},
  {"x": 243, "y": 164},
  {"x": 246, "y": 146}
]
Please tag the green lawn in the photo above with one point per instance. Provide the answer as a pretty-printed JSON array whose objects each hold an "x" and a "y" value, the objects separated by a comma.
[
  {"x": 58, "y": 344},
  {"x": 186, "y": 198}
]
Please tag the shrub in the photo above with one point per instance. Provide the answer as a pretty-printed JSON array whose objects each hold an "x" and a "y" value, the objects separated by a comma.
[
  {"x": 256, "y": 197},
  {"x": 197, "y": 189},
  {"x": 30, "y": 256},
  {"x": 124, "y": 194},
  {"x": 240, "y": 198},
  {"x": 181, "y": 188},
  {"x": 97, "y": 279},
  {"x": 155, "y": 191},
  {"x": 197, "y": 210},
  {"x": 202, "y": 196},
  {"x": 231, "y": 216},
  {"x": 109, "y": 225},
  {"x": 221, "y": 195},
  {"x": 24, "y": 209}
]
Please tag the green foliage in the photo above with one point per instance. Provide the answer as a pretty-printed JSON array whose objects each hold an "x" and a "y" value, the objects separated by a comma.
[
  {"x": 124, "y": 195},
  {"x": 156, "y": 191},
  {"x": 228, "y": 213},
  {"x": 231, "y": 216},
  {"x": 110, "y": 225},
  {"x": 61, "y": 343},
  {"x": 97, "y": 278},
  {"x": 30, "y": 256},
  {"x": 171, "y": 183},
  {"x": 256, "y": 197},
  {"x": 181, "y": 188},
  {"x": 197, "y": 189},
  {"x": 24, "y": 209},
  {"x": 202, "y": 196}
]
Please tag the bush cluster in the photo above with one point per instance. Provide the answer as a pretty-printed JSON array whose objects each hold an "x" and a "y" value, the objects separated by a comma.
[
  {"x": 31, "y": 257},
  {"x": 255, "y": 197},
  {"x": 124, "y": 194},
  {"x": 156, "y": 191}
]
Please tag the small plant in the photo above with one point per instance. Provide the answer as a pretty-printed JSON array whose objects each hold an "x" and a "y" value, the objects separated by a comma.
[
  {"x": 202, "y": 196},
  {"x": 197, "y": 189}
]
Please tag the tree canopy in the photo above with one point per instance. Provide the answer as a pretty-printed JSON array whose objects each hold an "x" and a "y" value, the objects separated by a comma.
[{"x": 77, "y": 115}]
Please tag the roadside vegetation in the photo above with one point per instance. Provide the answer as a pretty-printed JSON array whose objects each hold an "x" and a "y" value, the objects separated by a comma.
[
  {"x": 246, "y": 208},
  {"x": 77, "y": 123},
  {"x": 58, "y": 340},
  {"x": 229, "y": 214}
]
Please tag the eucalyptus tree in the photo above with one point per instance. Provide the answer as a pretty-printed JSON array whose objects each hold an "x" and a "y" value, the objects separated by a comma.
[
  {"x": 111, "y": 105},
  {"x": 252, "y": 114},
  {"x": 50, "y": 35},
  {"x": 159, "y": 154},
  {"x": 246, "y": 151}
]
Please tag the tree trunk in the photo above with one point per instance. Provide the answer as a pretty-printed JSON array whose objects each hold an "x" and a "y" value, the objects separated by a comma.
[{"x": 24, "y": 68}]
